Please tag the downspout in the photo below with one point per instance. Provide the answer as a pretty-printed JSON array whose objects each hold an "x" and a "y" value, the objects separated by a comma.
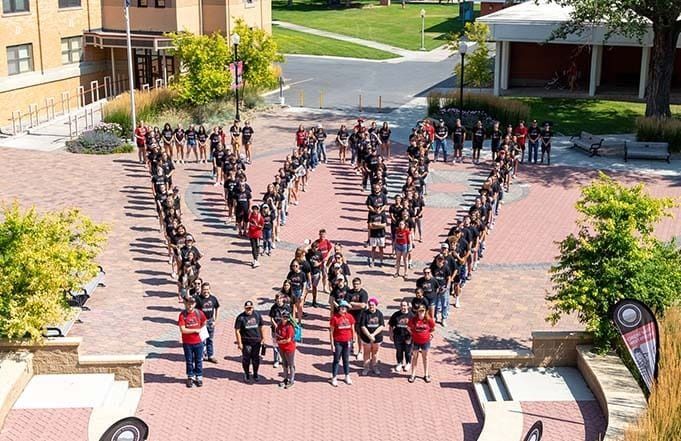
[{"x": 40, "y": 39}]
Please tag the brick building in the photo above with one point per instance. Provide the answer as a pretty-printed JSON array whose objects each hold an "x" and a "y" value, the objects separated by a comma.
[{"x": 58, "y": 54}]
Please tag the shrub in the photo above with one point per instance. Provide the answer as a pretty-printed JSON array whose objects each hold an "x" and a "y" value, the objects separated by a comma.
[
  {"x": 42, "y": 257},
  {"x": 147, "y": 104},
  {"x": 102, "y": 141},
  {"x": 662, "y": 420},
  {"x": 660, "y": 129},
  {"x": 446, "y": 105}
]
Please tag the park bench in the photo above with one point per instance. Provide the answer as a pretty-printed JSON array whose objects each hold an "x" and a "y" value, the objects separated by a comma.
[
  {"x": 646, "y": 150},
  {"x": 81, "y": 296},
  {"x": 587, "y": 142}
]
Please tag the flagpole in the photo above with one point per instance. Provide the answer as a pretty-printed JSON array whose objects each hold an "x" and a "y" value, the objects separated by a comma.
[{"x": 130, "y": 77}]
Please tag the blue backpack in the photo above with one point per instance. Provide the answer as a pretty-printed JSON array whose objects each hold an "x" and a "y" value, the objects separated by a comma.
[{"x": 298, "y": 330}]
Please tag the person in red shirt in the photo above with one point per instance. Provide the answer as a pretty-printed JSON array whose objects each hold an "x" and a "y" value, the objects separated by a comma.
[
  {"x": 301, "y": 136},
  {"x": 284, "y": 333},
  {"x": 324, "y": 246},
  {"x": 430, "y": 132},
  {"x": 342, "y": 332},
  {"x": 256, "y": 223},
  {"x": 403, "y": 241},
  {"x": 191, "y": 321},
  {"x": 421, "y": 327},
  {"x": 520, "y": 133},
  {"x": 140, "y": 140}
]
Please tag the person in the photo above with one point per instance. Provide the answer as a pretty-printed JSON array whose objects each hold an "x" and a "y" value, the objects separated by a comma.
[
  {"x": 378, "y": 221},
  {"x": 320, "y": 137},
  {"x": 256, "y": 223},
  {"x": 167, "y": 136},
  {"x": 242, "y": 198},
  {"x": 324, "y": 246},
  {"x": 269, "y": 219},
  {"x": 478, "y": 140},
  {"x": 441, "y": 273},
  {"x": 402, "y": 242},
  {"x": 235, "y": 137},
  {"x": 247, "y": 139},
  {"x": 533, "y": 140},
  {"x": 202, "y": 138},
  {"x": 371, "y": 324},
  {"x": 280, "y": 309},
  {"x": 342, "y": 137},
  {"x": 190, "y": 321},
  {"x": 384, "y": 136},
  {"x": 342, "y": 334},
  {"x": 249, "y": 330},
  {"x": 430, "y": 287},
  {"x": 546, "y": 135},
  {"x": 284, "y": 335},
  {"x": 192, "y": 137},
  {"x": 520, "y": 134},
  {"x": 495, "y": 138},
  {"x": 179, "y": 139},
  {"x": 207, "y": 303},
  {"x": 314, "y": 259},
  {"x": 398, "y": 325},
  {"x": 421, "y": 327},
  {"x": 458, "y": 139},
  {"x": 297, "y": 279},
  {"x": 357, "y": 297},
  {"x": 140, "y": 140},
  {"x": 441, "y": 134}
]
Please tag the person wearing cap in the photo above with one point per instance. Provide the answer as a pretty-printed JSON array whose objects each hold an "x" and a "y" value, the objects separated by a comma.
[
  {"x": 441, "y": 134},
  {"x": 250, "y": 336},
  {"x": 342, "y": 333},
  {"x": 371, "y": 324},
  {"x": 533, "y": 139},
  {"x": 546, "y": 136},
  {"x": 401, "y": 337},
  {"x": 256, "y": 223},
  {"x": 320, "y": 136},
  {"x": 421, "y": 327},
  {"x": 190, "y": 322}
]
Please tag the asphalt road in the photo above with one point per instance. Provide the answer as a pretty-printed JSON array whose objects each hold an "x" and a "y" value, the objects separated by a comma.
[{"x": 341, "y": 82}]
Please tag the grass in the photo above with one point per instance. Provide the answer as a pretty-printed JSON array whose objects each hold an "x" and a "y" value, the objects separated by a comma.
[
  {"x": 570, "y": 116},
  {"x": 294, "y": 42},
  {"x": 368, "y": 20},
  {"x": 662, "y": 420}
]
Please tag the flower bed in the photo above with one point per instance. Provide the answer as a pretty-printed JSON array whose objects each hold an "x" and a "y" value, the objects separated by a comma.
[{"x": 103, "y": 139}]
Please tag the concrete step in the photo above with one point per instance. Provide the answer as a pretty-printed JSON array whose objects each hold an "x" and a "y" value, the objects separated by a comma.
[
  {"x": 483, "y": 394},
  {"x": 58, "y": 391},
  {"x": 503, "y": 422},
  {"x": 546, "y": 384}
]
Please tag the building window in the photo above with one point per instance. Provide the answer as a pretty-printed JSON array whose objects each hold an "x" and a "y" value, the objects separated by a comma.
[
  {"x": 10, "y": 6},
  {"x": 71, "y": 50},
  {"x": 19, "y": 59},
  {"x": 69, "y": 4},
  {"x": 142, "y": 3},
  {"x": 160, "y": 3}
]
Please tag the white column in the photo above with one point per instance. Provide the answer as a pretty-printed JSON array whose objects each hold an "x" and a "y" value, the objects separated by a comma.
[
  {"x": 505, "y": 63},
  {"x": 645, "y": 65},
  {"x": 497, "y": 69},
  {"x": 593, "y": 71},
  {"x": 165, "y": 70},
  {"x": 599, "y": 68}
]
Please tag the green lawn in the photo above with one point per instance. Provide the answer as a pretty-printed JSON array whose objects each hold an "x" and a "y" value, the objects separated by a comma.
[
  {"x": 294, "y": 42},
  {"x": 570, "y": 116},
  {"x": 390, "y": 25}
]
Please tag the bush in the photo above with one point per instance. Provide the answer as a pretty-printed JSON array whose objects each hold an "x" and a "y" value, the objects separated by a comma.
[
  {"x": 104, "y": 139},
  {"x": 663, "y": 417},
  {"x": 446, "y": 106},
  {"x": 147, "y": 105},
  {"x": 41, "y": 258},
  {"x": 660, "y": 129}
]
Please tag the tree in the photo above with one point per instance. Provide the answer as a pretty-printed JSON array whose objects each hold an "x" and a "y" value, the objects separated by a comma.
[
  {"x": 478, "y": 68},
  {"x": 204, "y": 74},
  {"x": 633, "y": 18},
  {"x": 614, "y": 255},
  {"x": 258, "y": 51},
  {"x": 42, "y": 257}
]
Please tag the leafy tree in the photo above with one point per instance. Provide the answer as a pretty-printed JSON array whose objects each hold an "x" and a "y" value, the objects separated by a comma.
[
  {"x": 258, "y": 51},
  {"x": 633, "y": 18},
  {"x": 41, "y": 257},
  {"x": 204, "y": 60},
  {"x": 477, "y": 70},
  {"x": 614, "y": 255}
]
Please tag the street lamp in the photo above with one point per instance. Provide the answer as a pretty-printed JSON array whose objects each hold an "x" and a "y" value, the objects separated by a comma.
[
  {"x": 423, "y": 29},
  {"x": 463, "y": 47},
  {"x": 235, "y": 41}
]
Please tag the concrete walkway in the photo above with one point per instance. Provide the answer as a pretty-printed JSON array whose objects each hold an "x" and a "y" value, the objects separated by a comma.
[{"x": 436, "y": 55}]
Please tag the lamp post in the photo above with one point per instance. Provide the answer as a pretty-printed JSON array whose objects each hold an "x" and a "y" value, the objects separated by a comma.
[
  {"x": 423, "y": 29},
  {"x": 463, "y": 47},
  {"x": 235, "y": 41}
]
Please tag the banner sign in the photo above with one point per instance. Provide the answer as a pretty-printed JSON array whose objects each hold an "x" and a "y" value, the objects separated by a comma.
[
  {"x": 638, "y": 326},
  {"x": 238, "y": 76},
  {"x": 535, "y": 432}
]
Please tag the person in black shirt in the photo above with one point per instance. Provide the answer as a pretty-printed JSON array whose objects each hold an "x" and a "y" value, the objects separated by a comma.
[
  {"x": 250, "y": 335},
  {"x": 419, "y": 300},
  {"x": 430, "y": 288},
  {"x": 357, "y": 298},
  {"x": 458, "y": 138},
  {"x": 202, "y": 138},
  {"x": 533, "y": 135},
  {"x": 167, "y": 136},
  {"x": 441, "y": 273},
  {"x": 281, "y": 309},
  {"x": 377, "y": 224},
  {"x": 247, "y": 139},
  {"x": 546, "y": 135},
  {"x": 210, "y": 306},
  {"x": 215, "y": 142},
  {"x": 478, "y": 140},
  {"x": 235, "y": 137},
  {"x": 384, "y": 136},
  {"x": 219, "y": 156},
  {"x": 342, "y": 138},
  {"x": 371, "y": 324},
  {"x": 192, "y": 142},
  {"x": 243, "y": 206},
  {"x": 495, "y": 137},
  {"x": 320, "y": 136},
  {"x": 401, "y": 337},
  {"x": 441, "y": 134}
]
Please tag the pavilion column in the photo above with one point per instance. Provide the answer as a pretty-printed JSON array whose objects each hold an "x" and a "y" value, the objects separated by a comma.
[
  {"x": 643, "y": 79},
  {"x": 497, "y": 68},
  {"x": 596, "y": 56},
  {"x": 505, "y": 63}
]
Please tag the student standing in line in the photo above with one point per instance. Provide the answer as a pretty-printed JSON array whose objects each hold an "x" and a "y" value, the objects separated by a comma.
[
  {"x": 207, "y": 303},
  {"x": 495, "y": 137},
  {"x": 180, "y": 141},
  {"x": 478, "y": 140},
  {"x": 458, "y": 139},
  {"x": 421, "y": 327},
  {"x": 401, "y": 337},
  {"x": 533, "y": 135},
  {"x": 546, "y": 136},
  {"x": 190, "y": 321},
  {"x": 140, "y": 141},
  {"x": 342, "y": 142},
  {"x": 284, "y": 334},
  {"x": 342, "y": 333},
  {"x": 256, "y": 223},
  {"x": 371, "y": 324},
  {"x": 401, "y": 244},
  {"x": 520, "y": 134},
  {"x": 249, "y": 330},
  {"x": 247, "y": 140},
  {"x": 235, "y": 138},
  {"x": 384, "y": 136},
  {"x": 281, "y": 309},
  {"x": 441, "y": 135}
]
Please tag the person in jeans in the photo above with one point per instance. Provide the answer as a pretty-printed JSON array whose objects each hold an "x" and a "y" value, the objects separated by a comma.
[
  {"x": 268, "y": 224},
  {"x": 342, "y": 333},
  {"x": 256, "y": 224},
  {"x": 400, "y": 336},
  {"x": 207, "y": 303},
  {"x": 191, "y": 321},
  {"x": 280, "y": 308},
  {"x": 534, "y": 138},
  {"x": 441, "y": 272},
  {"x": 546, "y": 136},
  {"x": 320, "y": 136},
  {"x": 284, "y": 336},
  {"x": 441, "y": 134},
  {"x": 250, "y": 335}
]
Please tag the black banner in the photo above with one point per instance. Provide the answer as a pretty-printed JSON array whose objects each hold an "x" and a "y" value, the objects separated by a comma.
[
  {"x": 535, "y": 432},
  {"x": 638, "y": 326}
]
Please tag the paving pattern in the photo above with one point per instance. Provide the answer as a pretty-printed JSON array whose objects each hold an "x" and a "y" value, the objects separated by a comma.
[{"x": 137, "y": 310}]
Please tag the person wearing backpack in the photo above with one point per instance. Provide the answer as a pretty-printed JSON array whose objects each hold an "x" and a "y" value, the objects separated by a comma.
[
  {"x": 191, "y": 322},
  {"x": 280, "y": 308},
  {"x": 285, "y": 337}
]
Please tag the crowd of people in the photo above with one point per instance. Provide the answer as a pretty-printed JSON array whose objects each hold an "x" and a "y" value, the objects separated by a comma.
[{"x": 356, "y": 323}]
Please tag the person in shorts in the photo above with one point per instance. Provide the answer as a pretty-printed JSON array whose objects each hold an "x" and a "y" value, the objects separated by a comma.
[
  {"x": 235, "y": 137},
  {"x": 458, "y": 138},
  {"x": 371, "y": 324},
  {"x": 247, "y": 140},
  {"x": 377, "y": 225},
  {"x": 478, "y": 140},
  {"x": 546, "y": 135},
  {"x": 421, "y": 327},
  {"x": 297, "y": 278},
  {"x": 140, "y": 141},
  {"x": 402, "y": 243}
]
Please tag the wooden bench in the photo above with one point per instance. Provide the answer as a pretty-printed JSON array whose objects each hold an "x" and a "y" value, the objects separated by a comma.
[
  {"x": 80, "y": 297},
  {"x": 646, "y": 150},
  {"x": 587, "y": 142}
]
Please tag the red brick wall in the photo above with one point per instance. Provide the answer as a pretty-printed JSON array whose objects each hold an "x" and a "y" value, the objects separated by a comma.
[
  {"x": 534, "y": 64},
  {"x": 489, "y": 7}
]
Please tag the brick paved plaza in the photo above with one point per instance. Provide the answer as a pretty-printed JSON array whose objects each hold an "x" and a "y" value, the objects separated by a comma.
[{"x": 137, "y": 311}]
